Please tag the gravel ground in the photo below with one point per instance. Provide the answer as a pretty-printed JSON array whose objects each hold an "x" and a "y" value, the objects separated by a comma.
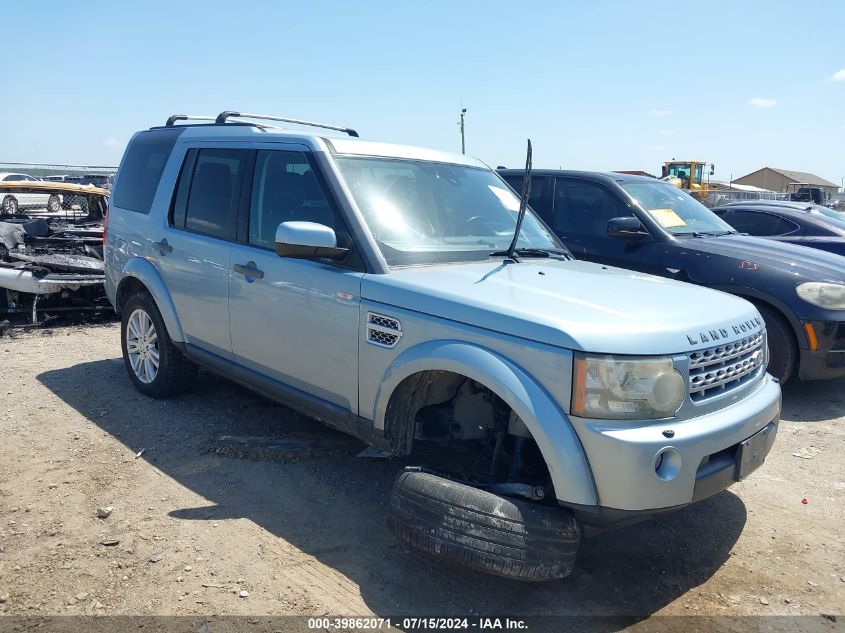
[{"x": 293, "y": 523}]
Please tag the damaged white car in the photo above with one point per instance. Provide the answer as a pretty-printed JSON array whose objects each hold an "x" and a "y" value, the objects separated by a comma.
[{"x": 52, "y": 262}]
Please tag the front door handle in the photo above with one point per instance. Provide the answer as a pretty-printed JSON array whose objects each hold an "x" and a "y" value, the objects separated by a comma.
[
  {"x": 163, "y": 246},
  {"x": 249, "y": 271}
]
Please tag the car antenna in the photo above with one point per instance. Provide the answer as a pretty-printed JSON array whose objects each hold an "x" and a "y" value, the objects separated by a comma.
[{"x": 523, "y": 205}]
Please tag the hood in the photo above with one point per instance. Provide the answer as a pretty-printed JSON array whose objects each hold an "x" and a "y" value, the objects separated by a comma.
[
  {"x": 804, "y": 264},
  {"x": 571, "y": 304}
]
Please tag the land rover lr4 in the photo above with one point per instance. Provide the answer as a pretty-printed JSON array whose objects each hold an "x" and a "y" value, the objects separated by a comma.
[{"x": 369, "y": 285}]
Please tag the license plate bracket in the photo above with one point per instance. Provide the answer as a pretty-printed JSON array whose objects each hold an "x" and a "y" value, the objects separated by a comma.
[{"x": 751, "y": 453}]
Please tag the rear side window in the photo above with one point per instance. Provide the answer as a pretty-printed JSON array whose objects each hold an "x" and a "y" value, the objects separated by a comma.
[
  {"x": 141, "y": 169},
  {"x": 537, "y": 198},
  {"x": 209, "y": 191},
  {"x": 757, "y": 223}
]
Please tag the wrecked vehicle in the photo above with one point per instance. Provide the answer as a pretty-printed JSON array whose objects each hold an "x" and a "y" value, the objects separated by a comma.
[
  {"x": 52, "y": 261},
  {"x": 409, "y": 298}
]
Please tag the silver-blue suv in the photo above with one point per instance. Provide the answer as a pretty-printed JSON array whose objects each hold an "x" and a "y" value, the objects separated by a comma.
[{"x": 376, "y": 287}]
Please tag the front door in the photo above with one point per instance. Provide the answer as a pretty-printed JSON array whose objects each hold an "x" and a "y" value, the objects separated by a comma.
[
  {"x": 294, "y": 320},
  {"x": 580, "y": 213}
]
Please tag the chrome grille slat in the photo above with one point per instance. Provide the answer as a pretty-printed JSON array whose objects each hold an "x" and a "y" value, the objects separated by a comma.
[{"x": 725, "y": 367}]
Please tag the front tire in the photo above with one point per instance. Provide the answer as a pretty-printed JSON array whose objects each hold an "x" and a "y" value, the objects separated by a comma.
[
  {"x": 154, "y": 364},
  {"x": 783, "y": 350},
  {"x": 477, "y": 529},
  {"x": 54, "y": 204}
]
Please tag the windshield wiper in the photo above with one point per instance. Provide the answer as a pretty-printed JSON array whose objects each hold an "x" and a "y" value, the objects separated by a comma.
[
  {"x": 525, "y": 252},
  {"x": 512, "y": 253},
  {"x": 706, "y": 233}
]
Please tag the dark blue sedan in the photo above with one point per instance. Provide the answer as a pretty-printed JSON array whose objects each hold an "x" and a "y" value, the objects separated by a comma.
[{"x": 794, "y": 222}]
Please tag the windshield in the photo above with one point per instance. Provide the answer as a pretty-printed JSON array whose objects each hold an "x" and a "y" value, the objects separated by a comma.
[
  {"x": 677, "y": 212},
  {"x": 423, "y": 212},
  {"x": 836, "y": 218}
]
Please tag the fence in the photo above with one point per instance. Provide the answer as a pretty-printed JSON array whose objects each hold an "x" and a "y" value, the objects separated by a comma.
[{"x": 99, "y": 175}]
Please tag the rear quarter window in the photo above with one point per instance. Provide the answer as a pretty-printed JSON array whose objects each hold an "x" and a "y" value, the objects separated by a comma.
[{"x": 141, "y": 169}]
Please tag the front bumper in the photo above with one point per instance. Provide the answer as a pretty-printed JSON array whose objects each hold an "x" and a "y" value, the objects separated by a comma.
[
  {"x": 828, "y": 359},
  {"x": 631, "y": 477}
]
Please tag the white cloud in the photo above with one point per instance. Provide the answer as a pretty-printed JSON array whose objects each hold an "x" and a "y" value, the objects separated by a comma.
[
  {"x": 667, "y": 132},
  {"x": 657, "y": 148},
  {"x": 111, "y": 142},
  {"x": 839, "y": 75},
  {"x": 663, "y": 112},
  {"x": 762, "y": 102}
]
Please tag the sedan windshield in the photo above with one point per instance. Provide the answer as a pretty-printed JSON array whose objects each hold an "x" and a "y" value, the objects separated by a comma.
[
  {"x": 423, "y": 212},
  {"x": 677, "y": 212}
]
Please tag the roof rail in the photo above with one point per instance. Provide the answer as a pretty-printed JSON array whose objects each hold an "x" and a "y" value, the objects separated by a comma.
[
  {"x": 221, "y": 118},
  {"x": 171, "y": 120}
]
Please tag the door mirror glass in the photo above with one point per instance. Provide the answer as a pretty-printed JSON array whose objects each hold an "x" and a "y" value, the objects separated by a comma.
[
  {"x": 307, "y": 240},
  {"x": 627, "y": 228}
]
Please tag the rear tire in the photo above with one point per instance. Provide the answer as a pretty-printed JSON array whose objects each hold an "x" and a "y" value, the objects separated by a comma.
[
  {"x": 54, "y": 204},
  {"x": 783, "y": 350},
  {"x": 477, "y": 529},
  {"x": 155, "y": 365},
  {"x": 10, "y": 206}
]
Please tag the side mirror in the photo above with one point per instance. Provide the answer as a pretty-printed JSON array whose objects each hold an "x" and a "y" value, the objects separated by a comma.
[
  {"x": 628, "y": 227},
  {"x": 307, "y": 240}
]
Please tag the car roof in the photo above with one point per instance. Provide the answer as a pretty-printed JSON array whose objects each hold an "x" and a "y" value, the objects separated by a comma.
[
  {"x": 780, "y": 204},
  {"x": 606, "y": 176},
  {"x": 339, "y": 145}
]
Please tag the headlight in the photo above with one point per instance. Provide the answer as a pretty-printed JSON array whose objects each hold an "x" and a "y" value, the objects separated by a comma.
[
  {"x": 830, "y": 296},
  {"x": 616, "y": 387}
]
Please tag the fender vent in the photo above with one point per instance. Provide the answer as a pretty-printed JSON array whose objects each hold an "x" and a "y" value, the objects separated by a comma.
[{"x": 382, "y": 330}]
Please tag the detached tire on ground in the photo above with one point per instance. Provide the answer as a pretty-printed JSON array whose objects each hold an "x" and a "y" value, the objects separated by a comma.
[
  {"x": 477, "y": 529},
  {"x": 154, "y": 364}
]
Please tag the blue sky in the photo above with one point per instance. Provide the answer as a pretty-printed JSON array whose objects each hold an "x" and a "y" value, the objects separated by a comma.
[{"x": 602, "y": 85}]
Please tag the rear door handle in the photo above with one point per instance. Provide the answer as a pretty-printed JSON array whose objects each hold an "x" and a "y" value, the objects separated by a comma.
[
  {"x": 163, "y": 246},
  {"x": 249, "y": 271}
]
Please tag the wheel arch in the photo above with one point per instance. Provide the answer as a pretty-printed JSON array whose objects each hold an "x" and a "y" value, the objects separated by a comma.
[
  {"x": 550, "y": 428},
  {"x": 776, "y": 305},
  {"x": 140, "y": 275}
]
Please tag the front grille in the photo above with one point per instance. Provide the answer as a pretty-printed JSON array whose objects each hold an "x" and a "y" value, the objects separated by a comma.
[
  {"x": 382, "y": 330},
  {"x": 725, "y": 367}
]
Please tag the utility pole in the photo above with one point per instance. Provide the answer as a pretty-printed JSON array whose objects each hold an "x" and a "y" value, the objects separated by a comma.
[{"x": 463, "y": 140}]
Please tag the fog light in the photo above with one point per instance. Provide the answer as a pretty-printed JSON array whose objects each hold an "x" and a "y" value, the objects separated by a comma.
[{"x": 667, "y": 463}]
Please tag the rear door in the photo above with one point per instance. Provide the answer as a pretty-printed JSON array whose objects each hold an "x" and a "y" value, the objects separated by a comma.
[
  {"x": 193, "y": 251},
  {"x": 581, "y": 209},
  {"x": 294, "y": 320}
]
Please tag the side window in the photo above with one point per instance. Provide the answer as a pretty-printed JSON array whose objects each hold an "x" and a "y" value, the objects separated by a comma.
[
  {"x": 212, "y": 203},
  {"x": 537, "y": 199},
  {"x": 141, "y": 169},
  {"x": 285, "y": 189},
  {"x": 582, "y": 207},
  {"x": 14, "y": 178},
  {"x": 757, "y": 223}
]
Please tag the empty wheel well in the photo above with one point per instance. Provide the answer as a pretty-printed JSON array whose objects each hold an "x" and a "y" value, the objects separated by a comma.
[
  {"x": 458, "y": 425},
  {"x": 128, "y": 287}
]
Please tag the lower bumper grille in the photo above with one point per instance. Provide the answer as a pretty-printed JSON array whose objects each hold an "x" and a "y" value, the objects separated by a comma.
[{"x": 725, "y": 367}]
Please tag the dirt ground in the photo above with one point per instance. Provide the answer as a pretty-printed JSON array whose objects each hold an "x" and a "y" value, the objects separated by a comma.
[{"x": 208, "y": 522}]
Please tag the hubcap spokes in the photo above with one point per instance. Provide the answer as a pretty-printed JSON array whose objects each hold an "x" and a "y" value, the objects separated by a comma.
[{"x": 142, "y": 346}]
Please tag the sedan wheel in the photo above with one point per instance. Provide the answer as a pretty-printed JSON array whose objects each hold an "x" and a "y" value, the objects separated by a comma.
[
  {"x": 54, "y": 204},
  {"x": 142, "y": 346}
]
